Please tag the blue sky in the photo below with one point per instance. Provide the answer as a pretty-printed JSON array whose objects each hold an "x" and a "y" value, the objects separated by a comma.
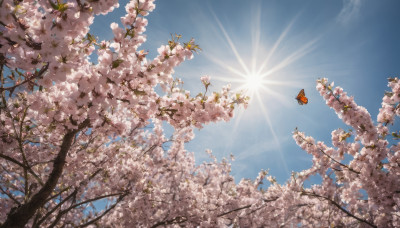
[{"x": 293, "y": 43}]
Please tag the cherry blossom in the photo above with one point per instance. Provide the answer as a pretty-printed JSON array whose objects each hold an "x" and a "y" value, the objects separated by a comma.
[
  {"x": 83, "y": 144},
  {"x": 73, "y": 132},
  {"x": 364, "y": 190}
]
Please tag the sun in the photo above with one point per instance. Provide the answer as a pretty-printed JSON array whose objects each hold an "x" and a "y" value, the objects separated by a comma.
[
  {"x": 253, "y": 82},
  {"x": 259, "y": 70}
]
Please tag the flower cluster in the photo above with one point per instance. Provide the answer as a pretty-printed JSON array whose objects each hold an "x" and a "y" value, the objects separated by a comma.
[{"x": 364, "y": 188}]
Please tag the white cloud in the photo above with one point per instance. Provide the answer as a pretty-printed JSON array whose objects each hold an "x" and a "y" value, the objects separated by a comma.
[{"x": 350, "y": 11}]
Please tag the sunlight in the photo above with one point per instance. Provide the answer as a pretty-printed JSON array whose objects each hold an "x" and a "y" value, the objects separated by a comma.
[
  {"x": 261, "y": 78},
  {"x": 262, "y": 74},
  {"x": 253, "y": 82}
]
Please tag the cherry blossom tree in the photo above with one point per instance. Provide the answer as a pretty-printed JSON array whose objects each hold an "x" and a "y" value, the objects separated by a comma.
[
  {"x": 82, "y": 143},
  {"x": 74, "y": 132}
]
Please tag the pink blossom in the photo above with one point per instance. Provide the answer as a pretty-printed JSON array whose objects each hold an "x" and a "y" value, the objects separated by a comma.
[{"x": 90, "y": 132}]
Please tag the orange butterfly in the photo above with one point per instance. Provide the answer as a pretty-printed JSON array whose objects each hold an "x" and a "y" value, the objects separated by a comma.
[{"x": 301, "y": 98}]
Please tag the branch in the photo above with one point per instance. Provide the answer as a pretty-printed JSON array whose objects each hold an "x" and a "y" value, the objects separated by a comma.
[
  {"x": 21, "y": 149},
  {"x": 94, "y": 199},
  {"x": 37, "y": 75},
  {"x": 23, "y": 166},
  {"x": 58, "y": 194},
  {"x": 20, "y": 216},
  {"x": 55, "y": 208},
  {"x": 322, "y": 151},
  {"x": 237, "y": 209},
  {"x": 73, "y": 194},
  {"x": 340, "y": 208},
  {"x": 120, "y": 198},
  {"x": 10, "y": 196},
  {"x": 350, "y": 169},
  {"x": 177, "y": 219},
  {"x": 2, "y": 82}
]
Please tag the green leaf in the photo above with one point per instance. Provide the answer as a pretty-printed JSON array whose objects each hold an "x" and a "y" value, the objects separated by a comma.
[
  {"x": 130, "y": 32},
  {"x": 116, "y": 63},
  {"x": 346, "y": 107},
  {"x": 91, "y": 38},
  {"x": 192, "y": 46},
  {"x": 53, "y": 5},
  {"x": 59, "y": 6},
  {"x": 62, "y": 7},
  {"x": 389, "y": 94}
]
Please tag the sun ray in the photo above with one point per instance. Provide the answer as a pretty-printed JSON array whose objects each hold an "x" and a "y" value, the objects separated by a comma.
[
  {"x": 255, "y": 35},
  {"x": 253, "y": 81},
  {"x": 259, "y": 81},
  {"x": 230, "y": 79},
  {"x": 276, "y": 95},
  {"x": 225, "y": 66},
  {"x": 305, "y": 49},
  {"x": 232, "y": 46},
  {"x": 270, "y": 126},
  {"x": 276, "y": 44},
  {"x": 286, "y": 83}
]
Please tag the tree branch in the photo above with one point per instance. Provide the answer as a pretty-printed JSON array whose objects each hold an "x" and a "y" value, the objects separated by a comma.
[
  {"x": 23, "y": 166},
  {"x": 73, "y": 194},
  {"x": 322, "y": 151},
  {"x": 177, "y": 219},
  {"x": 237, "y": 209},
  {"x": 37, "y": 75},
  {"x": 339, "y": 207},
  {"x": 18, "y": 217},
  {"x": 10, "y": 196},
  {"x": 120, "y": 198}
]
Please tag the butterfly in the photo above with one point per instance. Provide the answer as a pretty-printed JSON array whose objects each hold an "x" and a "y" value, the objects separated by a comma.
[{"x": 301, "y": 98}]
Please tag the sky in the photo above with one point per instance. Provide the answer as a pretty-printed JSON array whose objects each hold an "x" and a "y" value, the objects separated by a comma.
[{"x": 290, "y": 43}]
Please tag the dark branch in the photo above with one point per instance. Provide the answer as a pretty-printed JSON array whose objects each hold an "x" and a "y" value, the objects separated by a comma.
[
  {"x": 23, "y": 166},
  {"x": 339, "y": 207},
  {"x": 10, "y": 196},
  {"x": 37, "y": 75},
  {"x": 120, "y": 198},
  {"x": 234, "y": 210},
  {"x": 18, "y": 217},
  {"x": 178, "y": 219}
]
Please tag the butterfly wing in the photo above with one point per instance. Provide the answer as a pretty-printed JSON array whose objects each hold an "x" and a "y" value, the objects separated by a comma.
[
  {"x": 304, "y": 100},
  {"x": 301, "y": 98}
]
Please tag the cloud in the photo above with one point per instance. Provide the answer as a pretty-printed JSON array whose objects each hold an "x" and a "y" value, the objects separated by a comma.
[{"x": 350, "y": 11}]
